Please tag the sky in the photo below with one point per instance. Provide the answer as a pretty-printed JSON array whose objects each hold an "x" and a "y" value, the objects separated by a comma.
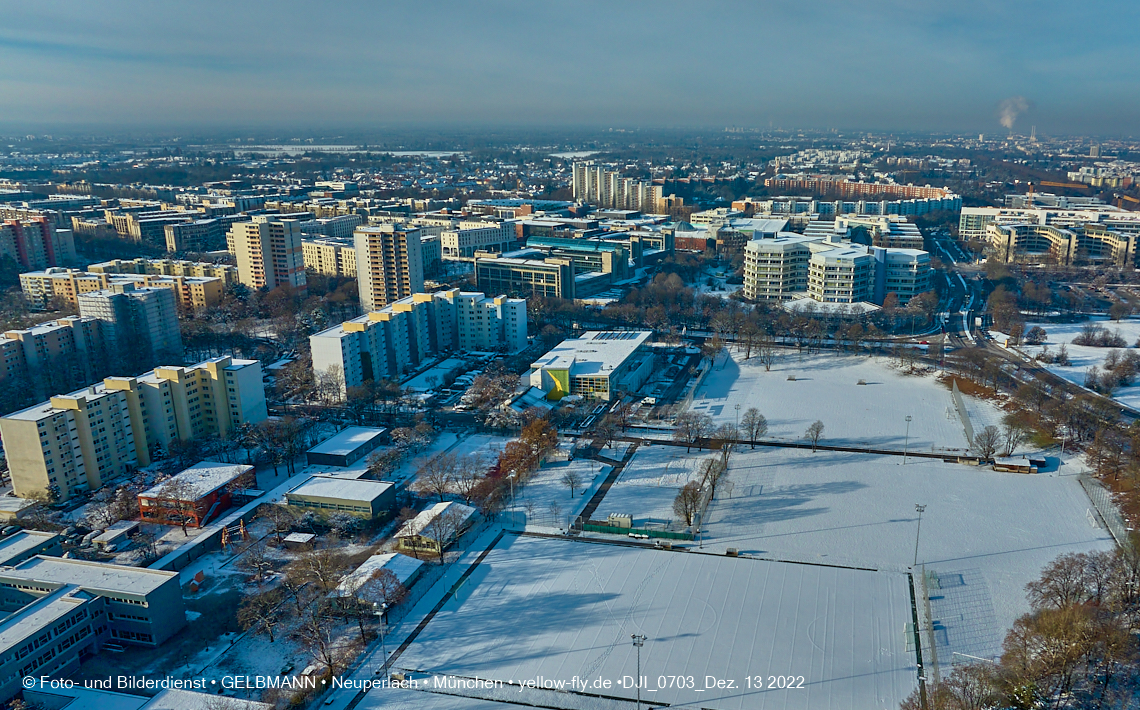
[{"x": 846, "y": 64}]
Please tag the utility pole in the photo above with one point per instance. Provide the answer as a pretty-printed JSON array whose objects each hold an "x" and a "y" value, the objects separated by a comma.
[
  {"x": 638, "y": 642},
  {"x": 918, "y": 532}
]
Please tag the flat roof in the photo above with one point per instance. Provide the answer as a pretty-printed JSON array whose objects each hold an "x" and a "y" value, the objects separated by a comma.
[
  {"x": 402, "y": 566},
  {"x": 116, "y": 531},
  {"x": 38, "y": 614},
  {"x": 341, "y": 488},
  {"x": 19, "y": 543},
  {"x": 347, "y": 441},
  {"x": 10, "y": 504},
  {"x": 89, "y": 575},
  {"x": 78, "y": 697},
  {"x": 596, "y": 352},
  {"x": 177, "y": 699},
  {"x": 200, "y": 479}
]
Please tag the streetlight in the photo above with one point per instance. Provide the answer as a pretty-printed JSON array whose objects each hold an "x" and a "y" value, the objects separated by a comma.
[
  {"x": 738, "y": 419},
  {"x": 906, "y": 441},
  {"x": 638, "y": 642},
  {"x": 920, "y": 509}
]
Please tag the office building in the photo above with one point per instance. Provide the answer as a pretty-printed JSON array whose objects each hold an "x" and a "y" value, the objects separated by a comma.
[
  {"x": 598, "y": 365},
  {"x": 527, "y": 273},
  {"x": 194, "y": 496},
  {"x": 1046, "y": 235},
  {"x": 826, "y": 184},
  {"x": 268, "y": 252},
  {"x": 140, "y": 324},
  {"x": 831, "y": 208},
  {"x": 831, "y": 270},
  {"x": 77, "y": 442},
  {"x": 25, "y": 544},
  {"x": 873, "y": 230},
  {"x": 330, "y": 257},
  {"x": 36, "y": 243},
  {"x": 469, "y": 237},
  {"x": 389, "y": 265},
  {"x": 387, "y": 343}
]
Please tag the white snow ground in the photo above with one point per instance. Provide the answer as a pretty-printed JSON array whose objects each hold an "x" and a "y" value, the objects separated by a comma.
[
  {"x": 826, "y": 389},
  {"x": 649, "y": 483},
  {"x": 986, "y": 534},
  {"x": 545, "y": 487},
  {"x": 557, "y": 609},
  {"x": 1082, "y": 356}
]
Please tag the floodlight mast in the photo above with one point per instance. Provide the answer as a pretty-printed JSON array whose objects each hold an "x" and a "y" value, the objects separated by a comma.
[{"x": 638, "y": 642}]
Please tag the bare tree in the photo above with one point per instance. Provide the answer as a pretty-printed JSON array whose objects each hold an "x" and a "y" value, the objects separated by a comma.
[
  {"x": 754, "y": 424},
  {"x": 177, "y": 499},
  {"x": 444, "y": 528},
  {"x": 437, "y": 475},
  {"x": 469, "y": 470},
  {"x": 259, "y": 612},
  {"x": 691, "y": 428},
  {"x": 317, "y": 631},
  {"x": 321, "y": 568},
  {"x": 374, "y": 596},
  {"x": 687, "y": 501},
  {"x": 713, "y": 473},
  {"x": 987, "y": 441},
  {"x": 1015, "y": 431},
  {"x": 255, "y": 560},
  {"x": 382, "y": 463},
  {"x": 282, "y": 518},
  {"x": 766, "y": 352},
  {"x": 814, "y": 433},
  {"x": 572, "y": 479}
]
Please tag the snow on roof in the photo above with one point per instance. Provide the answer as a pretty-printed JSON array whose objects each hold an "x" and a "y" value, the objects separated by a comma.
[
  {"x": 176, "y": 699},
  {"x": 299, "y": 538},
  {"x": 340, "y": 488},
  {"x": 90, "y": 575},
  {"x": 19, "y": 543},
  {"x": 1012, "y": 461},
  {"x": 416, "y": 525},
  {"x": 199, "y": 480},
  {"x": 805, "y": 304},
  {"x": 402, "y": 566},
  {"x": 593, "y": 353},
  {"x": 8, "y": 504},
  {"x": 38, "y": 614},
  {"x": 116, "y": 531},
  {"x": 78, "y": 698},
  {"x": 347, "y": 441}
]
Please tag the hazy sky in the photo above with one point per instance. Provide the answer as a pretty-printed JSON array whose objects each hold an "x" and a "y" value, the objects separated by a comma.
[{"x": 878, "y": 64}]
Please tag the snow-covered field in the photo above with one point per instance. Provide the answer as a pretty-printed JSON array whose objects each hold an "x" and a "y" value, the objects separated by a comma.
[
  {"x": 556, "y": 609},
  {"x": 545, "y": 487},
  {"x": 985, "y": 533},
  {"x": 649, "y": 483},
  {"x": 826, "y": 388},
  {"x": 1083, "y": 357}
]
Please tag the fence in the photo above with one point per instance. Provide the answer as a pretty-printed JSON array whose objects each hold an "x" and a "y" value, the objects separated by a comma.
[
  {"x": 650, "y": 532},
  {"x": 1106, "y": 510}
]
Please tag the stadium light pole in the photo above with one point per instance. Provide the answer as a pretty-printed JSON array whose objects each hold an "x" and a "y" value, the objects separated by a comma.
[
  {"x": 738, "y": 419},
  {"x": 918, "y": 532},
  {"x": 906, "y": 441},
  {"x": 638, "y": 642}
]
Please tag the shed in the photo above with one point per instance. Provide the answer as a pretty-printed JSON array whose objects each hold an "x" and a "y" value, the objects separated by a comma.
[
  {"x": 1014, "y": 465},
  {"x": 346, "y": 448},
  {"x": 299, "y": 541}
]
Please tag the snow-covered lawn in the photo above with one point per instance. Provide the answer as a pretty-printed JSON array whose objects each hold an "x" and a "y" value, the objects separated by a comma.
[
  {"x": 556, "y": 609},
  {"x": 826, "y": 388},
  {"x": 1083, "y": 357},
  {"x": 649, "y": 483},
  {"x": 545, "y": 487},
  {"x": 985, "y": 533}
]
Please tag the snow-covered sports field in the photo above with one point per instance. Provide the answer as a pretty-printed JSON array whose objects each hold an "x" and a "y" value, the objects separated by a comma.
[
  {"x": 826, "y": 388},
  {"x": 559, "y": 609},
  {"x": 986, "y": 534}
]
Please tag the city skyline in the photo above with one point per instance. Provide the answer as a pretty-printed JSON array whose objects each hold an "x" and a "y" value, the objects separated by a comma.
[{"x": 879, "y": 66}]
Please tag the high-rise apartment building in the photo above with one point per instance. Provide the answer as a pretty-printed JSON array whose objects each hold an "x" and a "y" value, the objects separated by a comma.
[
  {"x": 386, "y": 343},
  {"x": 35, "y": 243},
  {"x": 330, "y": 257},
  {"x": 607, "y": 188},
  {"x": 140, "y": 324},
  {"x": 41, "y": 288},
  {"x": 268, "y": 252},
  {"x": 389, "y": 265},
  {"x": 77, "y": 442},
  {"x": 45, "y": 358}
]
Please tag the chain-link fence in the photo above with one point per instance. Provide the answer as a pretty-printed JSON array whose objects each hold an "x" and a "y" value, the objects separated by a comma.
[{"x": 1106, "y": 509}]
